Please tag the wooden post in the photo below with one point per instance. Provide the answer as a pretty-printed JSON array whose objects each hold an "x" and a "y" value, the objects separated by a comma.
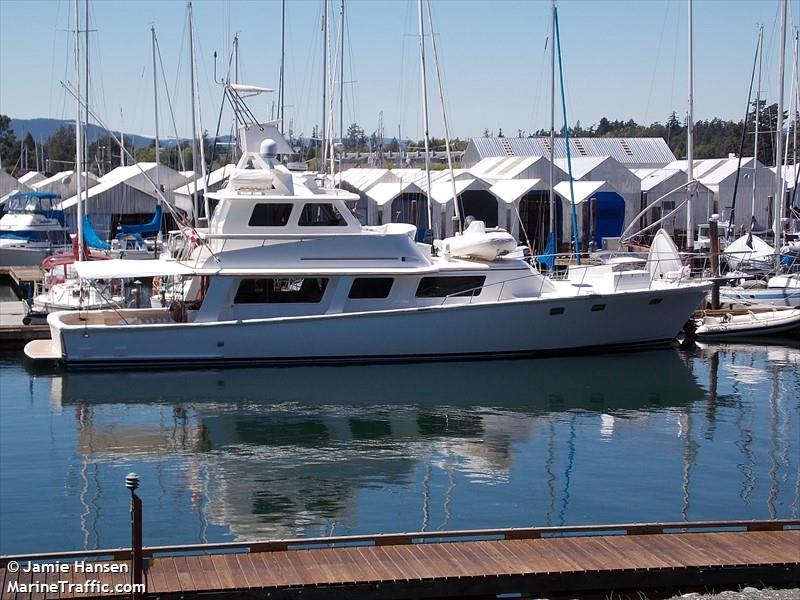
[
  {"x": 136, "y": 546},
  {"x": 713, "y": 231},
  {"x": 132, "y": 482}
]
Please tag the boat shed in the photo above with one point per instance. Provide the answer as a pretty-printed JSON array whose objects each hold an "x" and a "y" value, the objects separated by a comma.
[
  {"x": 65, "y": 183},
  {"x": 8, "y": 185},
  {"x": 31, "y": 177},
  {"x": 755, "y": 189},
  {"x": 137, "y": 177},
  {"x": 521, "y": 185},
  {"x": 634, "y": 153},
  {"x": 669, "y": 186},
  {"x": 615, "y": 203},
  {"x": 108, "y": 204}
]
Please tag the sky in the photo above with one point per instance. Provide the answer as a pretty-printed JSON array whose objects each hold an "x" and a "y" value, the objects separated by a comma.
[{"x": 622, "y": 59}]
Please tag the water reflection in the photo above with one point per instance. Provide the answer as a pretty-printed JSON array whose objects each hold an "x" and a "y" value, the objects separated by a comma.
[{"x": 251, "y": 453}]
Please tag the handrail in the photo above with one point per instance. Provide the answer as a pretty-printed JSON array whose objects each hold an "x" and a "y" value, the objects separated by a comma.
[{"x": 384, "y": 539}]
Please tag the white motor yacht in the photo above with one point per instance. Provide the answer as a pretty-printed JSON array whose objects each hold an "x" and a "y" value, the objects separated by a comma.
[{"x": 286, "y": 273}]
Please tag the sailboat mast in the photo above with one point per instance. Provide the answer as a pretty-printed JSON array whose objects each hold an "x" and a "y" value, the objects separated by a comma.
[
  {"x": 323, "y": 148},
  {"x": 86, "y": 95},
  {"x": 155, "y": 111},
  {"x": 778, "y": 208},
  {"x": 444, "y": 118},
  {"x": 758, "y": 119},
  {"x": 195, "y": 205},
  {"x": 690, "y": 145},
  {"x": 78, "y": 125},
  {"x": 341, "y": 83},
  {"x": 281, "y": 84},
  {"x": 425, "y": 115},
  {"x": 552, "y": 121}
]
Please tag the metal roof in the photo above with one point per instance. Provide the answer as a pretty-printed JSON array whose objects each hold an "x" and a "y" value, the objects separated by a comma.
[{"x": 624, "y": 150}]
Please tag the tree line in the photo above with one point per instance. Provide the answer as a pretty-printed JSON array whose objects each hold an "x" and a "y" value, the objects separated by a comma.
[{"x": 714, "y": 138}]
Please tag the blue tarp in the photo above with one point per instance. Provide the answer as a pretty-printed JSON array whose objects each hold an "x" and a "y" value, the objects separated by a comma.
[
  {"x": 91, "y": 238},
  {"x": 152, "y": 227}
]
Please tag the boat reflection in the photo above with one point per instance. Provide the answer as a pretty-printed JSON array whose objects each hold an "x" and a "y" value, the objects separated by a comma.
[{"x": 286, "y": 451}]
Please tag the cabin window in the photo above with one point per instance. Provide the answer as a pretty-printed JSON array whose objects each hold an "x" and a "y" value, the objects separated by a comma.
[
  {"x": 281, "y": 290},
  {"x": 321, "y": 215},
  {"x": 598, "y": 307},
  {"x": 371, "y": 287},
  {"x": 656, "y": 301},
  {"x": 559, "y": 310},
  {"x": 270, "y": 215},
  {"x": 439, "y": 287}
]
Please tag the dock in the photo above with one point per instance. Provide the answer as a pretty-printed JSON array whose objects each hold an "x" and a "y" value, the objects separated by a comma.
[
  {"x": 668, "y": 557},
  {"x": 13, "y": 331}
]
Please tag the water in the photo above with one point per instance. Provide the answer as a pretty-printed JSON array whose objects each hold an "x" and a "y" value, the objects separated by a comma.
[{"x": 711, "y": 433}]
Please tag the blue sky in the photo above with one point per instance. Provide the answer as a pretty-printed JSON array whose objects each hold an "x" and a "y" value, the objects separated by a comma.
[{"x": 623, "y": 59}]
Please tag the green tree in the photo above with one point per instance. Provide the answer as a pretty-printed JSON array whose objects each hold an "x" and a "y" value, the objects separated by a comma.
[{"x": 9, "y": 147}]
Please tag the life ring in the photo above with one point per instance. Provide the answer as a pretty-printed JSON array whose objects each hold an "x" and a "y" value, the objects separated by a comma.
[{"x": 156, "y": 285}]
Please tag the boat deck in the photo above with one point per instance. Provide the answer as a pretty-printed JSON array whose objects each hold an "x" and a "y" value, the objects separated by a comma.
[{"x": 454, "y": 564}]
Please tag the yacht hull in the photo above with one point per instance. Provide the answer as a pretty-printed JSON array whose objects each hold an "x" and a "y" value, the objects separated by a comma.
[{"x": 521, "y": 327}]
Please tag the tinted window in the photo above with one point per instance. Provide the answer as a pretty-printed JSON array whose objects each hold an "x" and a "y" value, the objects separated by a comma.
[
  {"x": 321, "y": 215},
  {"x": 270, "y": 215},
  {"x": 371, "y": 287},
  {"x": 439, "y": 287},
  {"x": 286, "y": 289}
]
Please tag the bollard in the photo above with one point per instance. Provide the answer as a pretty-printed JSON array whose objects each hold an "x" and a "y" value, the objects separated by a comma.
[{"x": 132, "y": 482}]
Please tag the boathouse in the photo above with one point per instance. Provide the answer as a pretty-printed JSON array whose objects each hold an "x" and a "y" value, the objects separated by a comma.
[
  {"x": 634, "y": 153},
  {"x": 669, "y": 185},
  {"x": 755, "y": 189}
]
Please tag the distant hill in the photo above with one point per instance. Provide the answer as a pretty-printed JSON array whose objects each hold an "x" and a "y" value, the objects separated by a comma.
[{"x": 41, "y": 129}]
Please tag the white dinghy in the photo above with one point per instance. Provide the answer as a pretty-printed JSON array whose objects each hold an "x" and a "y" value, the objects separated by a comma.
[{"x": 750, "y": 322}]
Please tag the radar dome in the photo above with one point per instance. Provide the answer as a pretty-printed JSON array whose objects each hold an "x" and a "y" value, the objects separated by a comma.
[{"x": 268, "y": 148}]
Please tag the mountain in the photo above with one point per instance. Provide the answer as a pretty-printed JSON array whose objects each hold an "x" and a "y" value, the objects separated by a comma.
[{"x": 41, "y": 129}]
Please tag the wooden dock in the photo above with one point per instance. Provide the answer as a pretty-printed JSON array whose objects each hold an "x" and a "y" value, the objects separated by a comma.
[{"x": 668, "y": 557}]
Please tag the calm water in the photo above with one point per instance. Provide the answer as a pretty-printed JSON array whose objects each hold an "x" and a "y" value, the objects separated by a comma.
[{"x": 712, "y": 433}]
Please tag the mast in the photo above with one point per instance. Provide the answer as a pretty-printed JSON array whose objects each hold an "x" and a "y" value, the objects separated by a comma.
[
  {"x": 86, "y": 120},
  {"x": 690, "y": 146},
  {"x": 425, "y": 116},
  {"x": 235, "y": 80},
  {"x": 552, "y": 232},
  {"x": 155, "y": 111},
  {"x": 778, "y": 211},
  {"x": 283, "y": 60},
  {"x": 199, "y": 116},
  {"x": 758, "y": 118},
  {"x": 444, "y": 118},
  {"x": 78, "y": 137},
  {"x": 341, "y": 84},
  {"x": 195, "y": 207},
  {"x": 323, "y": 148}
]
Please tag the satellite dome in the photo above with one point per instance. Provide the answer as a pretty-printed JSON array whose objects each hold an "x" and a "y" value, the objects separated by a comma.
[{"x": 268, "y": 148}]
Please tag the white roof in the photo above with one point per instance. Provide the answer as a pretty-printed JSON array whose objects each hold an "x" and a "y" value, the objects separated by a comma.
[
  {"x": 215, "y": 179},
  {"x": 386, "y": 191},
  {"x": 504, "y": 167},
  {"x": 119, "y": 268},
  {"x": 583, "y": 189},
  {"x": 31, "y": 177},
  {"x": 510, "y": 190},
  {"x": 581, "y": 165},
  {"x": 8, "y": 184},
  {"x": 442, "y": 189}
]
